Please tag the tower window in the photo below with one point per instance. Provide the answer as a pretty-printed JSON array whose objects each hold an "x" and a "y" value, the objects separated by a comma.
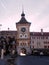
[
  {"x": 25, "y": 35},
  {"x": 20, "y": 35}
]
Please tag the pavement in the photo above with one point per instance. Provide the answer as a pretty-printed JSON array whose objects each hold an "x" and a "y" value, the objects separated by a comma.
[
  {"x": 7, "y": 60},
  {"x": 25, "y": 60}
]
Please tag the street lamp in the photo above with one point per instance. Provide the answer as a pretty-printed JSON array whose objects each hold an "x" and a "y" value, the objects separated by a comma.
[{"x": 0, "y": 26}]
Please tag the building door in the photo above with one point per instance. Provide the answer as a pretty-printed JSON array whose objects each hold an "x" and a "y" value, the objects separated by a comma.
[{"x": 23, "y": 50}]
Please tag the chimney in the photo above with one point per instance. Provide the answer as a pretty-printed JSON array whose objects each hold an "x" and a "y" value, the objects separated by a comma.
[
  {"x": 8, "y": 29},
  {"x": 42, "y": 31},
  {"x": 33, "y": 33}
]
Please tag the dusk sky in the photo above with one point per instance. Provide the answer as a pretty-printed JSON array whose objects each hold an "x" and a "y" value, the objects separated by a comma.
[{"x": 36, "y": 12}]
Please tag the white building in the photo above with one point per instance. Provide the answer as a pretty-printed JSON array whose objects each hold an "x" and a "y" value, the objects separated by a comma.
[{"x": 40, "y": 40}]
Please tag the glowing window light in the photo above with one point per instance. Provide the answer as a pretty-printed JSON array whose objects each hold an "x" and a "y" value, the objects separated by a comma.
[{"x": 22, "y": 54}]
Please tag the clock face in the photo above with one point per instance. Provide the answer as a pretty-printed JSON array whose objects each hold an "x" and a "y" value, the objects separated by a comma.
[{"x": 23, "y": 29}]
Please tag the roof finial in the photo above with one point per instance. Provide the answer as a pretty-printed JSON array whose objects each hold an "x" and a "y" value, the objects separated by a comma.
[{"x": 22, "y": 11}]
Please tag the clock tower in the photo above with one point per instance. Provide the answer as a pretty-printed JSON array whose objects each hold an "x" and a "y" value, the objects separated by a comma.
[{"x": 23, "y": 35}]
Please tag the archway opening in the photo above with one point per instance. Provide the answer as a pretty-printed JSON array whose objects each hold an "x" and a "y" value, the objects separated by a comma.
[{"x": 23, "y": 52}]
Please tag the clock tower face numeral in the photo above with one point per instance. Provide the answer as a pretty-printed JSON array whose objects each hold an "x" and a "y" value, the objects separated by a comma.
[{"x": 23, "y": 29}]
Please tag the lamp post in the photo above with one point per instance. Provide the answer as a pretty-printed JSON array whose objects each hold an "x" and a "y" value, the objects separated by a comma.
[
  {"x": 3, "y": 48},
  {"x": 0, "y": 26}
]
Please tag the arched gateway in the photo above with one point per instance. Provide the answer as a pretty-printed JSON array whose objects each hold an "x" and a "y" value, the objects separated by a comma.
[
  {"x": 23, "y": 35},
  {"x": 23, "y": 50}
]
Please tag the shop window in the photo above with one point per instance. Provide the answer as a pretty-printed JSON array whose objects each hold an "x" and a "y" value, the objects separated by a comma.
[
  {"x": 46, "y": 37},
  {"x": 33, "y": 42},
  {"x": 45, "y": 46},
  {"x": 33, "y": 37},
  {"x": 42, "y": 37},
  {"x": 48, "y": 46},
  {"x": 33, "y": 46}
]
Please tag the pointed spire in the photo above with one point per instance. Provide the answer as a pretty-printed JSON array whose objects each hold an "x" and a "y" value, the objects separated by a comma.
[{"x": 22, "y": 11}]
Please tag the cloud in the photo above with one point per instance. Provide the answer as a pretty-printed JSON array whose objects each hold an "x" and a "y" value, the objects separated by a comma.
[
  {"x": 2, "y": 4},
  {"x": 37, "y": 12}
]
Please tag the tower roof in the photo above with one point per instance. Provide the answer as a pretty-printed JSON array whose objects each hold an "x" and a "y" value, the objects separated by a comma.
[{"x": 23, "y": 20}]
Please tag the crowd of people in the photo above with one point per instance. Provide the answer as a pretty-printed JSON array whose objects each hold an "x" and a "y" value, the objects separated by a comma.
[{"x": 8, "y": 44}]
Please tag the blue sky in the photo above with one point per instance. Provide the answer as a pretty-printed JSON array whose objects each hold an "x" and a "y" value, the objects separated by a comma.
[{"x": 36, "y": 12}]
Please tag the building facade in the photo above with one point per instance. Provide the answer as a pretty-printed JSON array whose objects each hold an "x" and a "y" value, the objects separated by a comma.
[
  {"x": 23, "y": 35},
  {"x": 26, "y": 40},
  {"x": 40, "y": 40}
]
